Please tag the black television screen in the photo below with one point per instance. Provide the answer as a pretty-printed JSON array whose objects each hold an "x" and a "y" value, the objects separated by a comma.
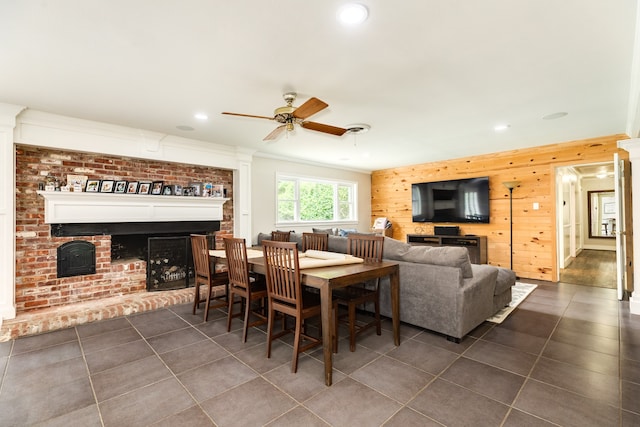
[{"x": 460, "y": 200}]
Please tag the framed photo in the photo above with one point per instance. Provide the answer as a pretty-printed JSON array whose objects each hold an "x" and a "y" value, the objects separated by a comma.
[
  {"x": 73, "y": 180},
  {"x": 168, "y": 190},
  {"x": 132, "y": 187},
  {"x": 121, "y": 187},
  {"x": 93, "y": 185},
  {"x": 217, "y": 190},
  {"x": 144, "y": 188},
  {"x": 188, "y": 191},
  {"x": 197, "y": 188},
  {"x": 206, "y": 189},
  {"x": 177, "y": 191},
  {"x": 106, "y": 186},
  {"x": 609, "y": 208},
  {"x": 156, "y": 187}
]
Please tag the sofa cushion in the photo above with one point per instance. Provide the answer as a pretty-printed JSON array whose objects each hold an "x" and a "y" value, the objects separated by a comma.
[
  {"x": 394, "y": 249},
  {"x": 506, "y": 279},
  {"x": 449, "y": 256},
  {"x": 329, "y": 231}
]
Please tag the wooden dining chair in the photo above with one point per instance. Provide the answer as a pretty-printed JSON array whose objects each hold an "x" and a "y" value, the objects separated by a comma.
[
  {"x": 206, "y": 276},
  {"x": 287, "y": 296},
  {"x": 280, "y": 236},
  {"x": 369, "y": 247},
  {"x": 315, "y": 241},
  {"x": 250, "y": 289}
]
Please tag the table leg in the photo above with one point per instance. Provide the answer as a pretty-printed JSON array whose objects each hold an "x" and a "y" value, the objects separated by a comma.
[
  {"x": 327, "y": 332},
  {"x": 394, "y": 281}
]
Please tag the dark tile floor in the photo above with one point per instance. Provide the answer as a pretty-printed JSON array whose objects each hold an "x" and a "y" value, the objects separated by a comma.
[{"x": 569, "y": 356}]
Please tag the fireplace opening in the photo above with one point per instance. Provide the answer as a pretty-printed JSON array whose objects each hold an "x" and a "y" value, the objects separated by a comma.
[{"x": 76, "y": 258}]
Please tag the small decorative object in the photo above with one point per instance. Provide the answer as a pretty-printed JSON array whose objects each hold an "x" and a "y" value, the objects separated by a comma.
[
  {"x": 197, "y": 188},
  {"x": 49, "y": 187},
  {"x": 156, "y": 187},
  {"x": 217, "y": 191},
  {"x": 92, "y": 186},
  {"x": 41, "y": 186},
  {"x": 106, "y": 186},
  {"x": 144, "y": 188},
  {"x": 120, "y": 187},
  {"x": 77, "y": 188},
  {"x": 64, "y": 188},
  {"x": 132, "y": 187},
  {"x": 188, "y": 191},
  {"x": 167, "y": 190}
]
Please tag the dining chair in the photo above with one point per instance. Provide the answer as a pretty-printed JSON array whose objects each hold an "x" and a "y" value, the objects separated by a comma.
[
  {"x": 205, "y": 276},
  {"x": 287, "y": 296},
  {"x": 250, "y": 289},
  {"x": 280, "y": 236},
  {"x": 369, "y": 247},
  {"x": 315, "y": 241}
]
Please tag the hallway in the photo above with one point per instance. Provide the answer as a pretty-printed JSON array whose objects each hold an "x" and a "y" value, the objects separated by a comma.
[{"x": 591, "y": 268}]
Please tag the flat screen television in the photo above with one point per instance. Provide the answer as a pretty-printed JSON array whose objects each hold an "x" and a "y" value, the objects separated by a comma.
[{"x": 459, "y": 200}]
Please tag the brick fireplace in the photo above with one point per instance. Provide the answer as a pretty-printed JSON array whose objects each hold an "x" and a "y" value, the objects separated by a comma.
[{"x": 37, "y": 283}]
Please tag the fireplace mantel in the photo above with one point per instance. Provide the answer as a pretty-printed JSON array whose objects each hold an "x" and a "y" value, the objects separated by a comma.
[{"x": 70, "y": 207}]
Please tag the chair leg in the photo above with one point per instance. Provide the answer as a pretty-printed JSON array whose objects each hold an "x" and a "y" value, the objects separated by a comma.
[
  {"x": 377, "y": 311},
  {"x": 196, "y": 297},
  {"x": 247, "y": 309},
  {"x": 352, "y": 327},
  {"x": 296, "y": 346},
  {"x": 270, "y": 330},
  {"x": 207, "y": 303},
  {"x": 230, "y": 298}
]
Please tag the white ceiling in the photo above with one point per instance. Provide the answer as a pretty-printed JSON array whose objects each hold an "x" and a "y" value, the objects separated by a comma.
[{"x": 431, "y": 78}]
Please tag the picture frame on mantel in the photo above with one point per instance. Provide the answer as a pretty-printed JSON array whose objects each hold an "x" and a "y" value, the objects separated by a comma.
[
  {"x": 144, "y": 188},
  {"x": 106, "y": 186},
  {"x": 197, "y": 188},
  {"x": 156, "y": 187},
  {"x": 93, "y": 185},
  {"x": 132, "y": 187},
  {"x": 120, "y": 187}
]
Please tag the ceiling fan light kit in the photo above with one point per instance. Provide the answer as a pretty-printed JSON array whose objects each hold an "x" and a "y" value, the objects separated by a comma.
[{"x": 289, "y": 116}]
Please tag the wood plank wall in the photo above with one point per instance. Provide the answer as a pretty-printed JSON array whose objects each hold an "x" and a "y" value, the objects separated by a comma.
[{"x": 534, "y": 231}]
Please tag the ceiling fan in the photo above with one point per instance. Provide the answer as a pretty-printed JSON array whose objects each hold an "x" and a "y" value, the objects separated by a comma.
[{"x": 290, "y": 115}]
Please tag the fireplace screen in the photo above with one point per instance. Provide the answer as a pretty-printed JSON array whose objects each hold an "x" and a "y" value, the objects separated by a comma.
[{"x": 169, "y": 263}]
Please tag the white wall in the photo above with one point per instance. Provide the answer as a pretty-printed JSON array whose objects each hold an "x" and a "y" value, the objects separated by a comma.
[{"x": 263, "y": 184}]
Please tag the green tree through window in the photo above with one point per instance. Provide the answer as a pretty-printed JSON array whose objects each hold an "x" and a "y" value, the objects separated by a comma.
[{"x": 310, "y": 200}]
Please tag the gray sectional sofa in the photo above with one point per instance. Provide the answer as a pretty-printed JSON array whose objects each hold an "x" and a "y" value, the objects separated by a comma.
[{"x": 440, "y": 289}]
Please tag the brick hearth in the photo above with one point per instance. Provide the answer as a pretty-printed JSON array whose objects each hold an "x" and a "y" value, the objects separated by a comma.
[{"x": 53, "y": 318}]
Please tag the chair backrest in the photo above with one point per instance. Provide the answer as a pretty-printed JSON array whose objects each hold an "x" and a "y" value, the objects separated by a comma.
[
  {"x": 237, "y": 266},
  {"x": 366, "y": 246},
  {"x": 200, "y": 251},
  {"x": 315, "y": 241},
  {"x": 282, "y": 272},
  {"x": 280, "y": 236}
]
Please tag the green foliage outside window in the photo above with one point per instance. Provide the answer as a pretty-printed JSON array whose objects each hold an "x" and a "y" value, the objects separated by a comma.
[{"x": 307, "y": 200}]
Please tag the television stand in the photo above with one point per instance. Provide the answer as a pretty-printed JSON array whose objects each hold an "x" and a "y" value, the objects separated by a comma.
[{"x": 476, "y": 245}]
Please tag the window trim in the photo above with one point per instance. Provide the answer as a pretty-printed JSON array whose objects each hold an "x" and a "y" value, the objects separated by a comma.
[{"x": 334, "y": 182}]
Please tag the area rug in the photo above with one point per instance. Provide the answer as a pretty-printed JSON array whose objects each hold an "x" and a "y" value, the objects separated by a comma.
[{"x": 518, "y": 294}]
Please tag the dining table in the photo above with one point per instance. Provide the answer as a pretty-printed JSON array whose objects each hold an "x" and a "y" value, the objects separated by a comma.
[{"x": 329, "y": 277}]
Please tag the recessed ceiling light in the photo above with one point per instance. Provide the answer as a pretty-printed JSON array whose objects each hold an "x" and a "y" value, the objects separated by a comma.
[
  {"x": 554, "y": 116},
  {"x": 501, "y": 127},
  {"x": 184, "y": 127},
  {"x": 201, "y": 116},
  {"x": 352, "y": 14}
]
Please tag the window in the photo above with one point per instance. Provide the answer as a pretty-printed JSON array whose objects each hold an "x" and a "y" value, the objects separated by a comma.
[{"x": 313, "y": 200}]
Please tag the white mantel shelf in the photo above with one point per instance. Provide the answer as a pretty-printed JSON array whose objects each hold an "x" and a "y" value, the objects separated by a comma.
[{"x": 63, "y": 207}]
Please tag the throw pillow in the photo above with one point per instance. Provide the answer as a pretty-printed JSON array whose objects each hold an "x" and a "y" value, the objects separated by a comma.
[{"x": 328, "y": 231}]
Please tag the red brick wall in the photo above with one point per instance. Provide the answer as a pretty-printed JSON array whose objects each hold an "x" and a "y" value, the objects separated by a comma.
[{"x": 36, "y": 283}]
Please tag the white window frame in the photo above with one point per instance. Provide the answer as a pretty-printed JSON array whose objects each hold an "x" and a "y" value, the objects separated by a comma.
[{"x": 297, "y": 179}]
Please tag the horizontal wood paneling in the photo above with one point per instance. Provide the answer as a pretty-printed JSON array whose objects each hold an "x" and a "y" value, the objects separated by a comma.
[{"x": 534, "y": 242}]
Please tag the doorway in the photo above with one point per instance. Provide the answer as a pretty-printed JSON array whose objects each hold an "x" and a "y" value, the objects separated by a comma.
[{"x": 586, "y": 254}]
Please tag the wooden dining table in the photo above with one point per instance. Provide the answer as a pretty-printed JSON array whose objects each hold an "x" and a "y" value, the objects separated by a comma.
[{"x": 328, "y": 278}]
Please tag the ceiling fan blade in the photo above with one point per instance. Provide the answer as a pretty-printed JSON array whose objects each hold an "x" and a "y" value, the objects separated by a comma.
[
  {"x": 275, "y": 133},
  {"x": 312, "y": 106},
  {"x": 333, "y": 130},
  {"x": 248, "y": 115}
]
